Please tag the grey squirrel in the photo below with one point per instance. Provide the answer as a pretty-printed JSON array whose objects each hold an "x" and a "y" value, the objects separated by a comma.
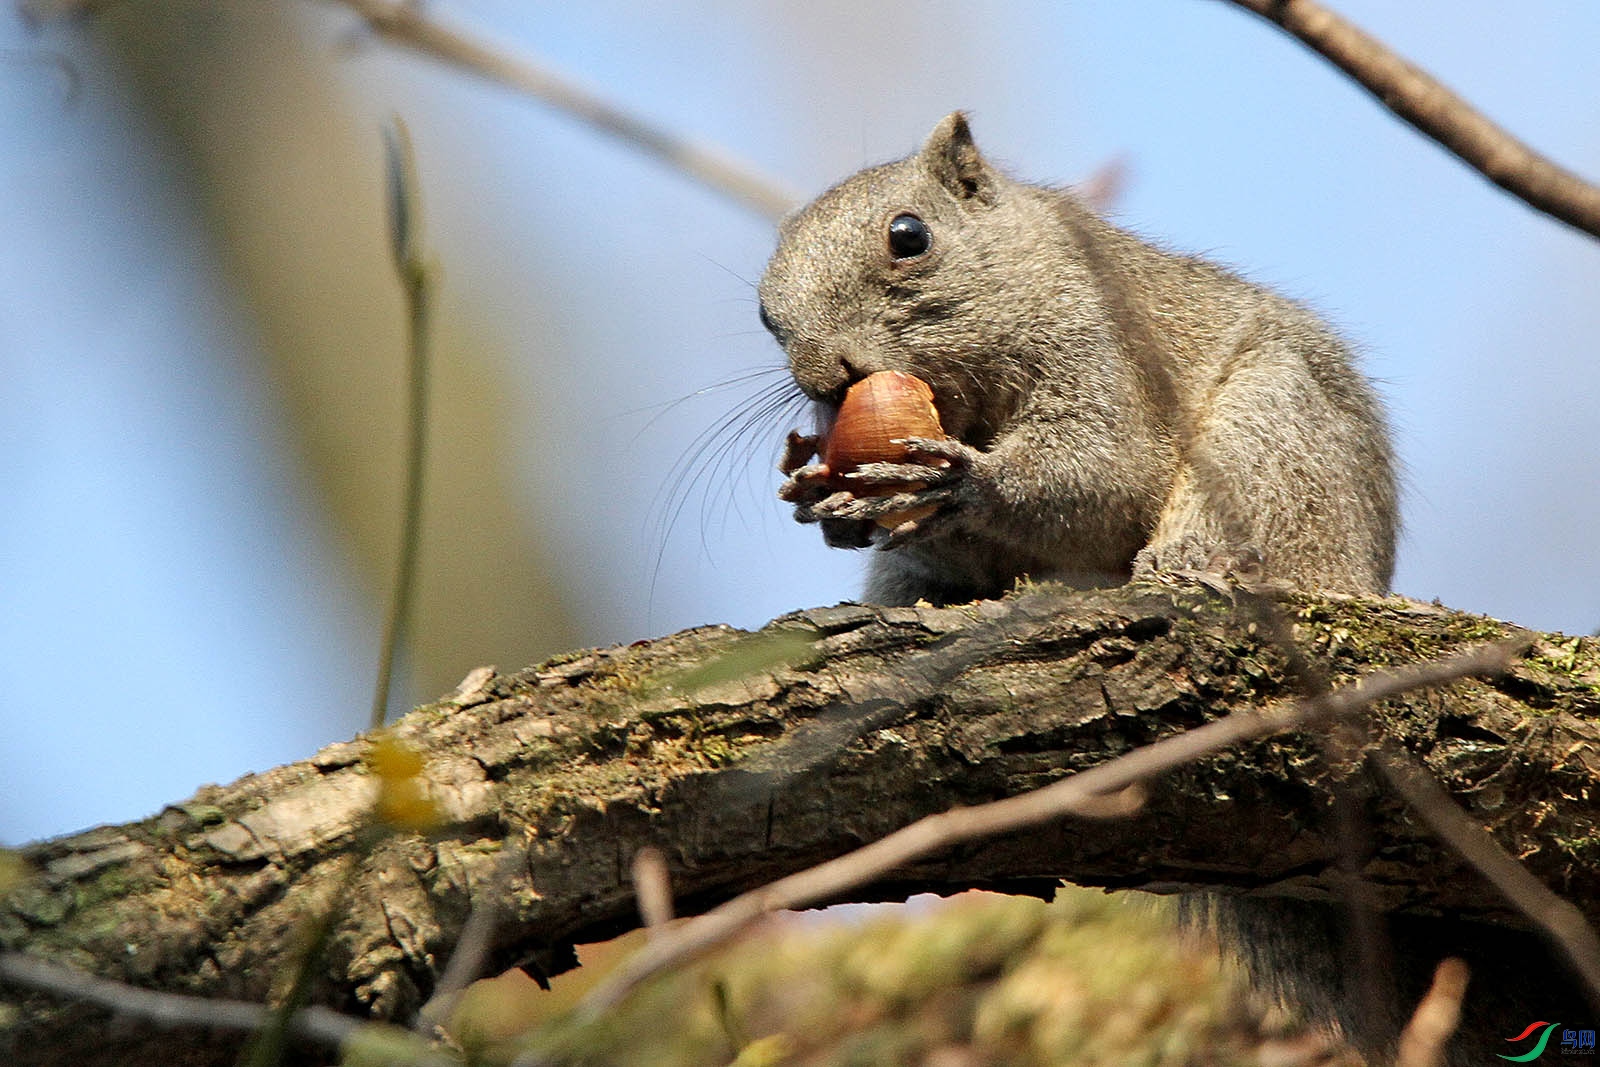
[
  {"x": 1114, "y": 410},
  {"x": 1113, "y": 407}
]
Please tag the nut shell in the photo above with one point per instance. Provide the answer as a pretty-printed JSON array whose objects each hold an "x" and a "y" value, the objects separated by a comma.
[{"x": 877, "y": 411}]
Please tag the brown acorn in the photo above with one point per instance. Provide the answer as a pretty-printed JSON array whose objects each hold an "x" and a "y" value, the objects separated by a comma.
[{"x": 877, "y": 411}]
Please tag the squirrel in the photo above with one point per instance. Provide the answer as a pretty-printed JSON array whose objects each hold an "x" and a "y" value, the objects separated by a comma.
[
  {"x": 1114, "y": 411},
  {"x": 1112, "y": 408}
]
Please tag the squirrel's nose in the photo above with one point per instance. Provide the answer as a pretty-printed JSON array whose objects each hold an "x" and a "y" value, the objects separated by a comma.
[{"x": 825, "y": 368}]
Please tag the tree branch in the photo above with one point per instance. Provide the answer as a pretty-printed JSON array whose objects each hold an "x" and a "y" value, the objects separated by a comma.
[
  {"x": 1564, "y": 922},
  {"x": 405, "y": 23},
  {"x": 1423, "y": 101},
  {"x": 162, "y": 1009},
  {"x": 1069, "y": 796},
  {"x": 745, "y": 758},
  {"x": 749, "y": 757}
]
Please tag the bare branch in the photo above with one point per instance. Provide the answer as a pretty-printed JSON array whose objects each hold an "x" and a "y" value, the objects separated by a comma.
[
  {"x": 406, "y": 23},
  {"x": 888, "y": 716},
  {"x": 1064, "y": 797},
  {"x": 653, "y": 883},
  {"x": 321, "y": 1025},
  {"x": 1557, "y": 917},
  {"x": 1436, "y": 111},
  {"x": 471, "y": 950},
  {"x": 1422, "y": 1042}
]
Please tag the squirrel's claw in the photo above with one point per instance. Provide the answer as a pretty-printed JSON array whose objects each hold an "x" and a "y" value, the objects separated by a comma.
[
  {"x": 905, "y": 477},
  {"x": 846, "y": 505},
  {"x": 929, "y": 463},
  {"x": 798, "y": 449},
  {"x": 1199, "y": 557},
  {"x": 806, "y": 485},
  {"x": 827, "y": 506},
  {"x": 904, "y": 532},
  {"x": 945, "y": 453},
  {"x": 873, "y": 508}
]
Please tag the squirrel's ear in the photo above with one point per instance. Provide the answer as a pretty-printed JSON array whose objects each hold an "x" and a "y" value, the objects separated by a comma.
[{"x": 953, "y": 160}]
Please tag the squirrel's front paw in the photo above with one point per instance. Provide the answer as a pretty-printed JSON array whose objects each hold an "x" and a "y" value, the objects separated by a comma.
[
  {"x": 938, "y": 480},
  {"x": 806, "y": 486},
  {"x": 877, "y": 509},
  {"x": 927, "y": 462},
  {"x": 805, "y": 482},
  {"x": 901, "y": 499},
  {"x": 831, "y": 512}
]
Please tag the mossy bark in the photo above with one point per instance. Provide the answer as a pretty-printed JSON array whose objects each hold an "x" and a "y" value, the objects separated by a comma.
[{"x": 745, "y": 757}]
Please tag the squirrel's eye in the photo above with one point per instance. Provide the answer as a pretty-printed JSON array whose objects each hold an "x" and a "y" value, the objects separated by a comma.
[{"x": 908, "y": 237}]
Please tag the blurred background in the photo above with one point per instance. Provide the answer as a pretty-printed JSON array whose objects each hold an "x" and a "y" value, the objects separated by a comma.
[{"x": 202, "y": 336}]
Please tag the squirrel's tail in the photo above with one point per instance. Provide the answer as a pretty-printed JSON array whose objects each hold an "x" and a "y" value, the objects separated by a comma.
[{"x": 1367, "y": 972}]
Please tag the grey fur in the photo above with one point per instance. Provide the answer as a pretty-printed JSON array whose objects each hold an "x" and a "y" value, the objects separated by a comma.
[{"x": 1117, "y": 407}]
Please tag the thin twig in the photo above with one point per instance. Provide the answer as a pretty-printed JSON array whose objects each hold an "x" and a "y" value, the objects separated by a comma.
[
  {"x": 473, "y": 945},
  {"x": 1367, "y": 946},
  {"x": 935, "y": 832},
  {"x": 1103, "y": 190},
  {"x": 404, "y": 22},
  {"x": 1422, "y": 1042},
  {"x": 1421, "y": 100},
  {"x": 415, "y": 281},
  {"x": 652, "y": 885},
  {"x": 321, "y": 1025},
  {"x": 267, "y": 1047},
  {"x": 1557, "y": 917}
]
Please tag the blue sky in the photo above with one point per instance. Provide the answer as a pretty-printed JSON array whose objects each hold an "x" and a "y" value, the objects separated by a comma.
[{"x": 175, "y": 611}]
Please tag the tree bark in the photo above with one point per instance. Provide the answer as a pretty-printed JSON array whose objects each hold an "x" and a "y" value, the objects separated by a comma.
[{"x": 746, "y": 757}]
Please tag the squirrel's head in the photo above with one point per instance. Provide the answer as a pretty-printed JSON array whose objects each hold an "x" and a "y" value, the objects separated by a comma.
[{"x": 911, "y": 266}]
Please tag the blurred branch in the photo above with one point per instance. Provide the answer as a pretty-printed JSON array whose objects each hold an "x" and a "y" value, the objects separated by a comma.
[
  {"x": 471, "y": 950},
  {"x": 1422, "y": 1043},
  {"x": 168, "y": 1009},
  {"x": 1563, "y": 922},
  {"x": 1405, "y": 89},
  {"x": 163, "y": 1009},
  {"x": 1421, "y": 100},
  {"x": 416, "y": 283},
  {"x": 405, "y": 22},
  {"x": 313, "y": 933},
  {"x": 652, "y": 881}
]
